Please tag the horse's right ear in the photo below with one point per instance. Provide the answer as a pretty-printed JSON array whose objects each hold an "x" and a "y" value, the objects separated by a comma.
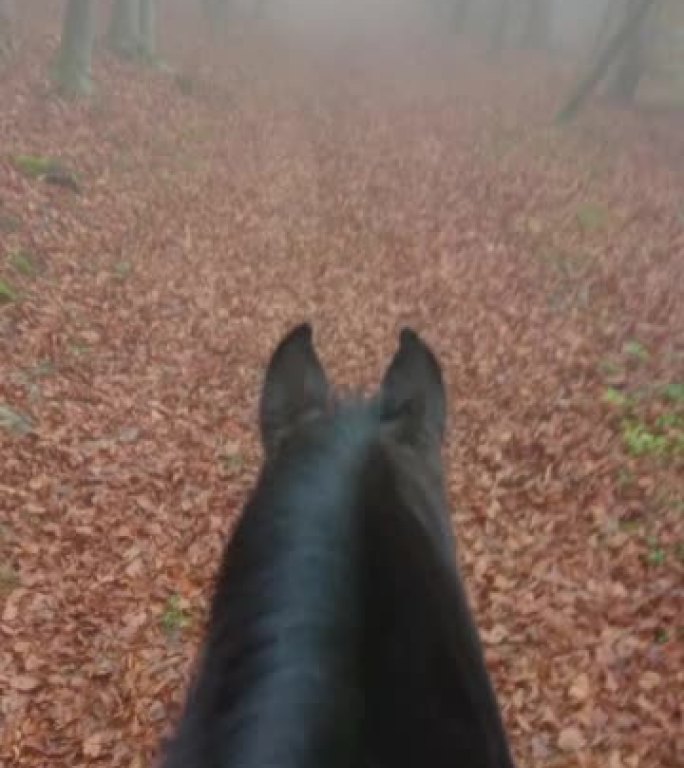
[
  {"x": 412, "y": 392},
  {"x": 295, "y": 386}
]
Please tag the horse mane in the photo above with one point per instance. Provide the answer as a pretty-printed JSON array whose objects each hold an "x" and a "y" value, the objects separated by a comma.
[
  {"x": 429, "y": 697},
  {"x": 283, "y": 651}
]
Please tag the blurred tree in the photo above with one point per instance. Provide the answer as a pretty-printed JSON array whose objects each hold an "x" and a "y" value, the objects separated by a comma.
[
  {"x": 124, "y": 27},
  {"x": 132, "y": 28},
  {"x": 73, "y": 64},
  {"x": 148, "y": 29},
  {"x": 6, "y": 28},
  {"x": 216, "y": 10},
  {"x": 610, "y": 20},
  {"x": 618, "y": 44},
  {"x": 630, "y": 62},
  {"x": 537, "y": 24},
  {"x": 500, "y": 22},
  {"x": 459, "y": 14}
]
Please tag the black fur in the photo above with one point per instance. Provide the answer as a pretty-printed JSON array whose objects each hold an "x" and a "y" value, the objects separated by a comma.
[{"x": 340, "y": 635}]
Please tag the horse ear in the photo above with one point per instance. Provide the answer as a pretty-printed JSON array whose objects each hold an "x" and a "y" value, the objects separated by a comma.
[
  {"x": 294, "y": 388},
  {"x": 413, "y": 391}
]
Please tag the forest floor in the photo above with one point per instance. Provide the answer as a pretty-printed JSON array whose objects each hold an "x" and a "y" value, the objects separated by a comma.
[{"x": 268, "y": 186}]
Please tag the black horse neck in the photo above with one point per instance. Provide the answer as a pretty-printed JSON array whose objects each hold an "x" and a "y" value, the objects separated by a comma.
[
  {"x": 281, "y": 681},
  {"x": 340, "y": 634}
]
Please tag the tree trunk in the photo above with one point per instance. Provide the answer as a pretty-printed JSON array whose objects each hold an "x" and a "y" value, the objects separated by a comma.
[
  {"x": 148, "y": 29},
  {"x": 6, "y": 28},
  {"x": 500, "y": 23},
  {"x": 537, "y": 31},
  {"x": 610, "y": 21},
  {"x": 124, "y": 28},
  {"x": 629, "y": 67},
  {"x": 616, "y": 44},
  {"x": 459, "y": 14},
  {"x": 73, "y": 64},
  {"x": 216, "y": 11}
]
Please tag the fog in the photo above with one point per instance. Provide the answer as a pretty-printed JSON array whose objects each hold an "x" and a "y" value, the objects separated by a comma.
[
  {"x": 573, "y": 23},
  {"x": 328, "y": 18}
]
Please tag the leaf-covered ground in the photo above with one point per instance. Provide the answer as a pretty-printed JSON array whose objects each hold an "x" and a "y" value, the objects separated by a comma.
[{"x": 362, "y": 192}]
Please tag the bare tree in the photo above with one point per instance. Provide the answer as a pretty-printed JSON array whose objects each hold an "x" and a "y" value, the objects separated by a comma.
[
  {"x": 148, "y": 29},
  {"x": 610, "y": 20},
  {"x": 629, "y": 65},
  {"x": 132, "y": 28},
  {"x": 6, "y": 28},
  {"x": 500, "y": 23},
  {"x": 216, "y": 11},
  {"x": 124, "y": 27},
  {"x": 537, "y": 29},
  {"x": 73, "y": 63},
  {"x": 459, "y": 14},
  {"x": 631, "y": 25}
]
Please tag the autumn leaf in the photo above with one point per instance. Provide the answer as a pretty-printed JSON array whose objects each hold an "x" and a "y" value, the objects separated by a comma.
[
  {"x": 571, "y": 739},
  {"x": 24, "y": 683},
  {"x": 579, "y": 690}
]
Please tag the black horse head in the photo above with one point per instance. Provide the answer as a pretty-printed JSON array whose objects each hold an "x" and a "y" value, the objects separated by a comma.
[{"x": 340, "y": 634}]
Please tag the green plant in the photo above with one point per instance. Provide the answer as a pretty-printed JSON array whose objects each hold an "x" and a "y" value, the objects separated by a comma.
[
  {"x": 640, "y": 441},
  {"x": 230, "y": 456},
  {"x": 49, "y": 170},
  {"x": 616, "y": 398},
  {"x": 636, "y": 350},
  {"x": 42, "y": 370},
  {"x": 9, "y": 579},
  {"x": 591, "y": 217},
  {"x": 609, "y": 368},
  {"x": 670, "y": 420},
  {"x": 34, "y": 165},
  {"x": 79, "y": 349},
  {"x": 7, "y": 292},
  {"x": 633, "y": 525},
  {"x": 674, "y": 392},
  {"x": 679, "y": 551},
  {"x": 14, "y": 421},
  {"x": 174, "y": 618},
  {"x": 21, "y": 261},
  {"x": 677, "y": 444},
  {"x": 678, "y": 506},
  {"x": 656, "y": 555},
  {"x": 123, "y": 269}
]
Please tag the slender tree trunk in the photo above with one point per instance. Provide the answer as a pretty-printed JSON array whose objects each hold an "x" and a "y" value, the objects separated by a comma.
[
  {"x": 73, "y": 64},
  {"x": 216, "y": 11},
  {"x": 629, "y": 68},
  {"x": 148, "y": 29},
  {"x": 260, "y": 9},
  {"x": 537, "y": 31},
  {"x": 6, "y": 28},
  {"x": 499, "y": 30},
  {"x": 620, "y": 39},
  {"x": 124, "y": 28},
  {"x": 459, "y": 14},
  {"x": 609, "y": 22}
]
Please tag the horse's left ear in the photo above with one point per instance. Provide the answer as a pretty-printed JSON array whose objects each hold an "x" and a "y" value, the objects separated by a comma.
[
  {"x": 295, "y": 386},
  {"x": 413, "y": 391}
]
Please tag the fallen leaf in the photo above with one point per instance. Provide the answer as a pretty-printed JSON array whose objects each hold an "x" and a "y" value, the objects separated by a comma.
[
  {"x": 24, "y": 683},
  {"x": 579, "y": 690},
  {"x": 571, "y": 739},
  {"x": 649, "y": 680},
  {"x": 92, "y": 745}
]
